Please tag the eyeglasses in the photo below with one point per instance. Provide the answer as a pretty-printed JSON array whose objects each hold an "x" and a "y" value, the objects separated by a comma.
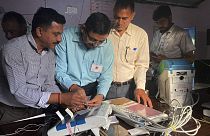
[{"x": 91, "y": 41}]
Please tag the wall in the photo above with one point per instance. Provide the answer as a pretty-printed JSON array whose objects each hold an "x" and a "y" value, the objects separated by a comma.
[
  {"x": 203, "y": 24},
  {"x": 75, "y": 11}
]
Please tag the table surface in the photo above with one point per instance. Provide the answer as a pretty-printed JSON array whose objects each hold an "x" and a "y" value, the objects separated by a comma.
[
  {"x": 122, "y": 127},
  {"x": 199, "y": 86}
]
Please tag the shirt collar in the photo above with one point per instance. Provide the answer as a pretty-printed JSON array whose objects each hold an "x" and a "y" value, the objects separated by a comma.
[
  {"x": 76, "y": 36},
  {"x": 32, "y": 42},
  {"x": 171, "y": 29},
  {"x": 128, "y": 30}
]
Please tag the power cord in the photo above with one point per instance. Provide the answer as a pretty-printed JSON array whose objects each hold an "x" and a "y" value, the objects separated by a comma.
[
  {"x": 177, "y": 123},
  {"x": 28, "y": 127},
  {"x": 180, "y": 116}
]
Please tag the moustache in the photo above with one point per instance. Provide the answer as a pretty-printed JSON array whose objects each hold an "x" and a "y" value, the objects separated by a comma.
[{"x": 56, "y": 42}]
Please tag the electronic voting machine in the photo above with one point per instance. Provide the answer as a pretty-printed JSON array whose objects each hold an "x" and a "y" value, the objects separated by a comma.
[
  {"x": 92, "y": 120},
  {"x": 175, "y": 81},
  {"x": 136, "y": 114}
]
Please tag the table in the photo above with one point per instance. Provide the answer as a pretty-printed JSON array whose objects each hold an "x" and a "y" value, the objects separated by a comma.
[{"x": 122, "y": 127}]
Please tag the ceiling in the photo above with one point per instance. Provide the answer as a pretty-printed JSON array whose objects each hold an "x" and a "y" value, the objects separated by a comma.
[{"x": 180, "y": 3}]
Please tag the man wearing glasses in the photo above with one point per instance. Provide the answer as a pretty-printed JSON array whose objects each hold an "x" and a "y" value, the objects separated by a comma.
[{"x": 84, "y": 59}]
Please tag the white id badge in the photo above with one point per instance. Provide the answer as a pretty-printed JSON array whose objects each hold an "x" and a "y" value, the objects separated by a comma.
[{"x": 96, "y": 68}]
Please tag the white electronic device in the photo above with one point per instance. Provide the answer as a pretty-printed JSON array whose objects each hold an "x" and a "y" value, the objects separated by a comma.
[
  {"x": 135, "y": 114},
  {"x": 94, "y": 119},
  {"x": 129, "y": 117},
  {"x": 206, "y": 109},
  {"x": 175, "y": 82}
]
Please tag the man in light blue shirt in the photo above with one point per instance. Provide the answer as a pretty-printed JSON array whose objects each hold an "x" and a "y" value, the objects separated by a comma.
[{"x": 85, "y": 57}]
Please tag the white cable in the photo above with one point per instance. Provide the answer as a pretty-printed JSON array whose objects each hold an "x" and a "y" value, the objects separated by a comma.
[
  {"x": 26, "y": 129},
  {"x": 194, "y": 103},
  {"x": 17, "y": 131},
  {"x": 180, "y": 119},
  {"x": 180, "y": 106}
]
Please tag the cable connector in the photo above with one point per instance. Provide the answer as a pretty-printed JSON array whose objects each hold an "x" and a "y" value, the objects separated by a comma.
[
  {"x": 60, "y": 115},
  {"x": 70, "y": 113}
]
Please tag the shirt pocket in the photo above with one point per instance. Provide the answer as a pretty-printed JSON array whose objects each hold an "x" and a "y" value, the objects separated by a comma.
[{"x": 129, "y": 54}]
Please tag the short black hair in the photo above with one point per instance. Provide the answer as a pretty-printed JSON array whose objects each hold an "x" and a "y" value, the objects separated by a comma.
[
  {"x": 161, "y": 11},
  {"x": 11, "y": 16},
  {"x": 124, "y": 4},
  {"x": 98, "y": 23},
  {"x": 45, "y": 16}
]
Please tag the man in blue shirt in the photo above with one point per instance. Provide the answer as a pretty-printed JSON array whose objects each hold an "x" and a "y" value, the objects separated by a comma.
[{"x": 85, "y": 57}]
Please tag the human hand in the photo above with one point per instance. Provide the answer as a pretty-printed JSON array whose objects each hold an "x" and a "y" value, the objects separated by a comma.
[
  {"x": 79, "y": 90},
  {"x": 140, "y": 94},
  {"x": 154, "y": 57},
  {"x": 157, "y": 58},
  {"x": 76, "y": 98},
  {"x": 161, "y": 57},
  {"x": 75, "y": 109},
  {"x": 97, "y": 100}
]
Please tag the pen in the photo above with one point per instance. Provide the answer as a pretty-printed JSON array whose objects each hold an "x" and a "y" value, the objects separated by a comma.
[{"x": 126, "y": 51}]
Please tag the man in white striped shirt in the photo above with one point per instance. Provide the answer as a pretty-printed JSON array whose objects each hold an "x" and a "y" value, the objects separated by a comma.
[{"x": 29, "y": 65}]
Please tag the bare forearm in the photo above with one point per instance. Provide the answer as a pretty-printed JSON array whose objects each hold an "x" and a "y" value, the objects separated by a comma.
[
  {"x": 70, "y": 99},
  {"x": 55, "y": 98}
]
